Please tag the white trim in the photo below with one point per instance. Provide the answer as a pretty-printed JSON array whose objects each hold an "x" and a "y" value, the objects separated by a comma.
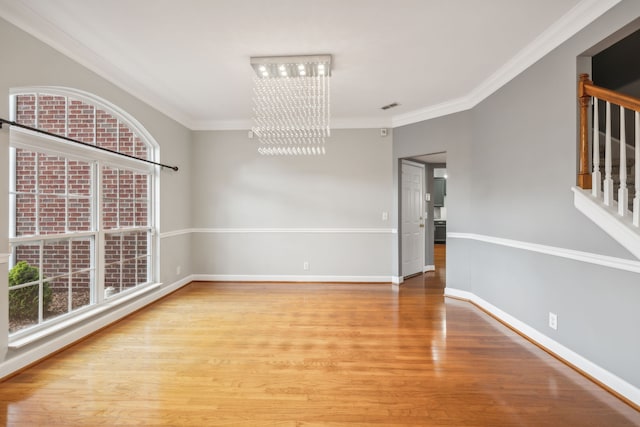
[
  {"x": 600, "y": 374},
  {"x": 620, "y": 228},
  {"x": 397, "y": 280},
  {"x": 581, "y": 15},
  {"x": 428, "y": 268},
  {"x": 239, "y": 230},
  {"x": 361, "y": 123},
  {"x": 296, "y": 230},
  {"x": 336, "y": 123},
  {"x": 176, "y": 233},
  {"x": 288, "y": 278},
  {"x": 57, "y": 343},
  {"x": 4, "y": 258},
  {"x": 431, "y": 112},
  {"x": 412, "y": 163},
  {"x": 38, "y": 26},
  {"x": 30, "y": 338},
  {"x": 240, "y": 124},
  {"x": 46, "y": 144},
  {"x": 584, "y": 13},
  {"x": 588, "y": 257}
]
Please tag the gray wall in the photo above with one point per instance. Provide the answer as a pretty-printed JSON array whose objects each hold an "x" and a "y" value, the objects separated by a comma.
[
  {"x": 28, "y": 62},
  {"x": 346, "y": 189},
  {"x": 511, "y": 162},
  {"x": 452, "y": 134}
]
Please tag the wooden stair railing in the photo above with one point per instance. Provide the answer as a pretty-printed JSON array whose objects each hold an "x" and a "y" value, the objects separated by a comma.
[{"x": 604, "y": 189}]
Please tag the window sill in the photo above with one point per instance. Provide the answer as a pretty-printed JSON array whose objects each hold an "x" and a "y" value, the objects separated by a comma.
[{"x": 23, "y": 341}]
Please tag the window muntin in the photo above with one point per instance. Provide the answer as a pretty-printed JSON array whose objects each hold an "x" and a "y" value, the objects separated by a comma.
[{"x": 87, "y": 250}]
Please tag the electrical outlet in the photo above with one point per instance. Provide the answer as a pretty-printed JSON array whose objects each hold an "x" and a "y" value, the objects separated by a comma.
[
  {"x": 305, "y": 265},
  {"x": 385, "y": 216},
  {"x": 553, "y": 321},
  {"x": 178, "y": 269}
]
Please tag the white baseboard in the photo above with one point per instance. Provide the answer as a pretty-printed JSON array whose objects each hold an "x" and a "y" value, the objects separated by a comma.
[
  {"x": 49, "y": 346},
  {"x": 428, "y": 268},
  {"x": 600, "y": 374},
  {"x": 397, "y": 280},
  {"x": 289, "y": 278}
]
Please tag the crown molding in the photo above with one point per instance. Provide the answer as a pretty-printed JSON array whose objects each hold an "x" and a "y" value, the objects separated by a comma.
[
  {"x": 27, "y": 19},
  {"x": 362, "y": 123},
  {"x": 352, "y": 123},
  {"x": 432, "y": 112},
  {"x": 572, "y": 22},
  {"x": 583, "y": 14},
  {"x": 240, "y": 124}
]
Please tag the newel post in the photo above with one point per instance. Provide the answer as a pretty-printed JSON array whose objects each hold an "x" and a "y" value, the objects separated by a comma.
[{"x": 584, "y": 174}]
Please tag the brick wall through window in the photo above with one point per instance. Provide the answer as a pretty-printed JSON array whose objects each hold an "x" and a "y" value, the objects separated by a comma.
[{"x": 55, "y": 195}]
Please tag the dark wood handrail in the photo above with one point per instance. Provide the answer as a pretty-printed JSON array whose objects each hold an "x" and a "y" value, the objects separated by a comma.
[
  {"x": 586, "y": 90},
  {"x": 586, "y": 87}
]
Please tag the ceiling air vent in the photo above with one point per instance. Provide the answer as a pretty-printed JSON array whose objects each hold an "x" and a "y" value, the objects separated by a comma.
[{"x": 393, "y": 104}]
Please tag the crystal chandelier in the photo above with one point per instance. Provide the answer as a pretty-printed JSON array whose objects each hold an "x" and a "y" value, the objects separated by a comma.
[{"x": 291, "y": 104}]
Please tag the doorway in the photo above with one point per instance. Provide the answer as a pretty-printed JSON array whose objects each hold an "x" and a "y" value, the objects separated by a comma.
[
  {"x": 412, "y": 178},
  {"x": 433, "y": 215}
]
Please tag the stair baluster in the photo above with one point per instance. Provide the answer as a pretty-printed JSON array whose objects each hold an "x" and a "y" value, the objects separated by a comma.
[
  {"x": 636, "y": 199},
  {"x": 616, "y": 192},
  {"x": 623, "y": 192},
  {"x": 608, "y": 181},
  {"x": 596, "y": 176}
]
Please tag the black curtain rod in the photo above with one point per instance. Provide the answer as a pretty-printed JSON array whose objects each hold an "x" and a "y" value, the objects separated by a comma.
[{"x": 10, "y": 123}]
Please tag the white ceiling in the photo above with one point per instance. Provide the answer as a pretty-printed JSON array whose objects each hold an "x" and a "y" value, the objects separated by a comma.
[{"x": 190, "y": 58}]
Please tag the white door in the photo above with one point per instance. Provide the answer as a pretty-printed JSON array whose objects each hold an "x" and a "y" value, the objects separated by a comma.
[{"x": 412, "y": 218}]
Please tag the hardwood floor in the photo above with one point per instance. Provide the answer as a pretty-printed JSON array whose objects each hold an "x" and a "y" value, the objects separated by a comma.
[{"x": 308, "y": 354}]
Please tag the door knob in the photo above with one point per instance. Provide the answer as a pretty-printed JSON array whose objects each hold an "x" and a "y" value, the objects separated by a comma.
[{"x": 421, "y": 225}]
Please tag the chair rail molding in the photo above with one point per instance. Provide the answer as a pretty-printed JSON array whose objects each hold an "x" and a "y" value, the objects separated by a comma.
[
  {"x": 588, "y": 257},
  {"x": 276, "y": 230}
]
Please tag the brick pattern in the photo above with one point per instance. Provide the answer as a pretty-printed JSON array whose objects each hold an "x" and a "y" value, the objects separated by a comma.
[
  {"x": 54, "y": 195},
  {"x": 126, "y": 259}
]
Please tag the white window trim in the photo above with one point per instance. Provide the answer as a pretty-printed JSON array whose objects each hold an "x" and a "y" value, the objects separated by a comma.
[
  {"x": 20, "y": 340},
  {"x": 22, "y": 138}
]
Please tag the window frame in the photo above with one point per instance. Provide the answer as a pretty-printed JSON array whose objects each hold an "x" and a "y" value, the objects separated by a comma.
[{"x": 97, "y": 160}]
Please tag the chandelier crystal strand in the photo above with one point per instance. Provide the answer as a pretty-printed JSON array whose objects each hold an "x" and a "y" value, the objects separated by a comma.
[{"x": 291, "y": 104}]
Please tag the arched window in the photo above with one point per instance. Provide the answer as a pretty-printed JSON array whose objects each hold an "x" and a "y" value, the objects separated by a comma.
[{"x": 82, "y": 220}]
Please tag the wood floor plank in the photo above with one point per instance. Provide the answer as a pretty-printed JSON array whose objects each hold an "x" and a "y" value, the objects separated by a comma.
[{"x": 306, "y": 355}]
